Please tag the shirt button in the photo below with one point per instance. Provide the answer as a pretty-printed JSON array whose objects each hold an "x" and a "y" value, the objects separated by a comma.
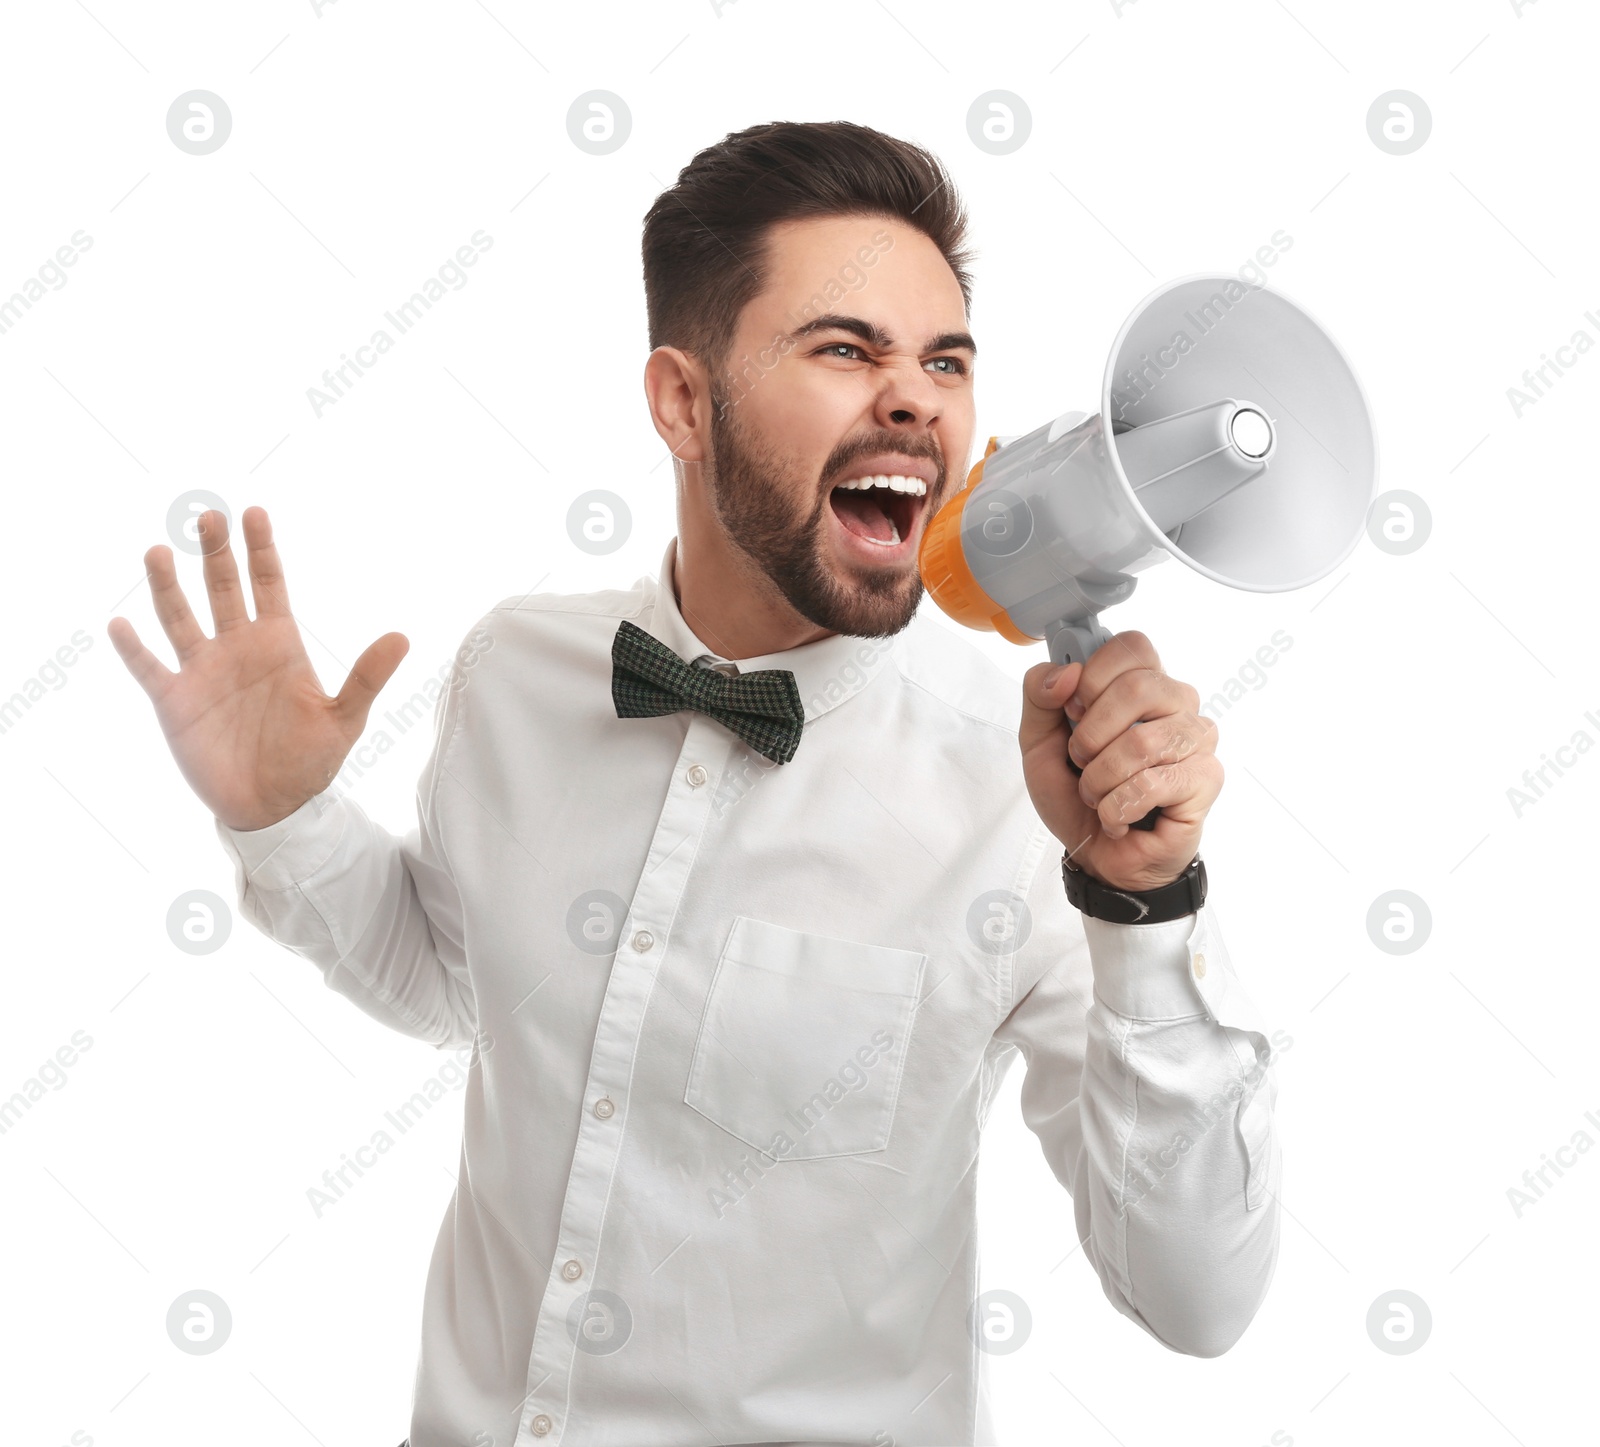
[
  {"x": 572, "y": 1270},
  {"x": 1199, "y": 967},
  {"x": 643, "y": 940},
  {"x": 541, "y": 1424},
  {"x": 604, "y": 1108},
  {"x": 696, "y": 775}
]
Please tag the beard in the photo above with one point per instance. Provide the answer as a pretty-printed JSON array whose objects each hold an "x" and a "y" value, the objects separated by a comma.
[{"x": 761, "y": 500}]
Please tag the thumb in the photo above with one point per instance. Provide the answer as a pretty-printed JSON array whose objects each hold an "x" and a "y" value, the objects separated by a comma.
[
  {"x": 1042, "y": 707},
  {"x": 372, "y": 670}
]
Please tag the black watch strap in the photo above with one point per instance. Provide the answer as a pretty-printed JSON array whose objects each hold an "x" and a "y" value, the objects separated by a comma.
[{"x": 1097, "y": 899}]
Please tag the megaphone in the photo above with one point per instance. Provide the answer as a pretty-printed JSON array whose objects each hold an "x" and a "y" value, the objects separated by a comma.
[{"x": 1232, "y": 435}]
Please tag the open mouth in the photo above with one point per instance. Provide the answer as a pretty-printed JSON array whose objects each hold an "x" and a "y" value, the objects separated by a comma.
[{"x": 881, "y": 510}]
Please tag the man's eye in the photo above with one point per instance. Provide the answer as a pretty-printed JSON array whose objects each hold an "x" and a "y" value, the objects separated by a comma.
[{"x": 955, "y": 367}]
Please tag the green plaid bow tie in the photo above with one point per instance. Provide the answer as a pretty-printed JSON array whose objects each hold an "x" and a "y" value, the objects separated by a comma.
[{"x": 649, "y": 679}]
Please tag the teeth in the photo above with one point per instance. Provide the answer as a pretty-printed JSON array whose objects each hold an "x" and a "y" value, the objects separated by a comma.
[{"x": 895, "y": 482}]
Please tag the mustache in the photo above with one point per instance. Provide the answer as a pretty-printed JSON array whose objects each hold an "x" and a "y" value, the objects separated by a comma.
[{"x": 843, "y": 456}]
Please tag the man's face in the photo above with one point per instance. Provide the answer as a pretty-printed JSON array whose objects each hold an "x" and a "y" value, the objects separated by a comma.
[{"x": 852, "y": 362}]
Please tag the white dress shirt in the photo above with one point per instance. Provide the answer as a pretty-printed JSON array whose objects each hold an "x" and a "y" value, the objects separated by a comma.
[{"x": 736, "y": 1027}]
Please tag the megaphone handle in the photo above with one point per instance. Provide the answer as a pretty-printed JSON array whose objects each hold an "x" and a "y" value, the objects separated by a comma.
[
  {"x": 1149, "y": 820},
  {"x": 1073, "y": 643}
]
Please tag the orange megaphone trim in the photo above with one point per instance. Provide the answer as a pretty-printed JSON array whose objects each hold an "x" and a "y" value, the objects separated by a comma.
[{"x": 942, "y": 562}]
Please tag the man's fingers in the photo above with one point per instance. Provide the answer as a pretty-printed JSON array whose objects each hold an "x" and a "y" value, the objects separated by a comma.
[
  {"x": 148, "y": 671},
  {"x": 221, "y": 572},
  {"x": 1134, "y": 696},
  {"x": 172, "y": 608},
  {"x": 372, "y": 670},
  {"x": 1161, "y": 741},
  {"x": 267, "y": 586},
  {"x": 1186, "y": 791},
  {"x": 1123, "y": 652}
]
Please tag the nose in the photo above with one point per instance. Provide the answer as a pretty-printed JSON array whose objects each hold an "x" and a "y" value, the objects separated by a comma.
[{"x": 907, "y": 397}]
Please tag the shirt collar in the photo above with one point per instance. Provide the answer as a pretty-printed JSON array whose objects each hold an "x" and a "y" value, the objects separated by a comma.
[{"x": 827, "y": 671}]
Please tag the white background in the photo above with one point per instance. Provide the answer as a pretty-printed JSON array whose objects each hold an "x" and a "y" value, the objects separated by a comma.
[{"x": 371, "y": 141}]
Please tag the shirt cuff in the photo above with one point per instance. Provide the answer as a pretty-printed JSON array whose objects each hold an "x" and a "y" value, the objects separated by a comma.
[
  {"x": 1147, "y": 971},
  {"x": 289, "y": 852}
]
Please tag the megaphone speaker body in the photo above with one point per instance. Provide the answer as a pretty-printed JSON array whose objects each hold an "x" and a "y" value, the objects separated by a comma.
[{"x": 1232, "y": 434}]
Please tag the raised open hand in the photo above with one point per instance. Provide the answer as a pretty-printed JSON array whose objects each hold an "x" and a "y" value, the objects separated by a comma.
[{"x": 245, "y": 716}]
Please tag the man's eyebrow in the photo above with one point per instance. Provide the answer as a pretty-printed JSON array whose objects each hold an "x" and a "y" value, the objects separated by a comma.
[
  {"x": 874, "y": 335},
  {"x": 950, "y": 341}
]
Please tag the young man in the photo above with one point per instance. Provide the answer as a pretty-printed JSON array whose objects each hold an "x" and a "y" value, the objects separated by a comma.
[{"x": 736, "y": 886}]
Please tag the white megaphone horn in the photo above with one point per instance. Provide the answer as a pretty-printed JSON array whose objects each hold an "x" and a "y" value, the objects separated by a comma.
[{"x": 1232, "y": 435}]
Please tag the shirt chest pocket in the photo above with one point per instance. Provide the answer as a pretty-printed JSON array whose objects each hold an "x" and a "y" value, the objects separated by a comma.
[{"x": 803, "y": 1039}]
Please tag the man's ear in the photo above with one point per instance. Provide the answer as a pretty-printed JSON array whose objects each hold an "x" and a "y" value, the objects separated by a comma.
[{"x": 679, "y": 394}]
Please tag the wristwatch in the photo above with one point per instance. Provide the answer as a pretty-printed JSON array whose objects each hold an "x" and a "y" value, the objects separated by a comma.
[{"x": 1097, "y": 899}]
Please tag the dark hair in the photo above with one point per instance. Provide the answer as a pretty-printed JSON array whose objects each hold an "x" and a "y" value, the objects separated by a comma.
[{"x": 705, "y": 238}]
